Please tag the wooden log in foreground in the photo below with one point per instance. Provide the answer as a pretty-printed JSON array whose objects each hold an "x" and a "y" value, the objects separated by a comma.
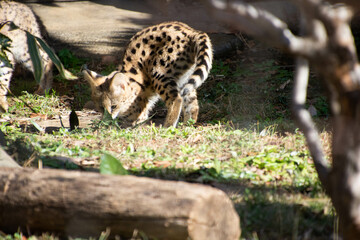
[{"x": 79, "y": 204}]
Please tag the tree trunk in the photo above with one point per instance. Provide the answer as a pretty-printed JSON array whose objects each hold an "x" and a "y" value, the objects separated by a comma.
[
  {"x": 326, "y": 41},
  {"x": 345, "y": 175},
  {"x": 78, "y": 204}
]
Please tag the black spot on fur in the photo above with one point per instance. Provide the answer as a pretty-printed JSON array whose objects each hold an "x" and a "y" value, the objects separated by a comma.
[
  {"x": 204, "y": 63},
  {"x": 145, "y": 40},
  {"x": 160, "y": 52},
  {"x": 156, "y": 75},
  {"x": 151, "y": 37},
  {"x": 169, "y": 25},
  {"x": 128, "y": 59},
  {"x": 177, "y": 28},
  {"x": 133, "y": 70},
  {"x": 178, "y": 38},
  {"x": 192, "y": 81},
  {"x": 133, "y": 51},
  {"x": 152, "y": 46},
  {"x": 200, "y": 73},
  {"x": 138, "y": 45},
  {"x": 170, "y": 83},
  {"x": 158, "y": 39},
  {"x": 162, "y": 92},
  {"x": 140, "y": 65},
  {"x": 159, "y": 76},
  {"x": 143, "y": 53},
  {"x": 152, "y": 53},
  {"x": 161, "y": 27},
  {"x": 174, "y": 92},
  {"x": 154, "y": 63},
  {"x": 169, "y": 38},
  {"x": 169, "y": 71},
  {"x": 170, "y": 50},
  {"x": 164, "y": 34},
  {"x": 154, "y": 29},
  {"x": 162, "y": 62},
  {"x": 203, "y": 49},
  {"x": 147, "y": 30},
  {"x": 202, "y": 43}
]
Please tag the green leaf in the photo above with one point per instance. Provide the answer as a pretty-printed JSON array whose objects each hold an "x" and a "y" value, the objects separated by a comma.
[
  {"x": 63, "y": 72},
  {"x": 5, "y": 44},
  {"x": 111, "y": 165},
  {"x": 35, "y": 57},
  {"x": 37, "y": 126},
  {"x": 107, "y": 116},
  {"x": 5, "y": 60}
]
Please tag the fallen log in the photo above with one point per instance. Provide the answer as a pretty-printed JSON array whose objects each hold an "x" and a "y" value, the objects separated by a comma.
[{"x": 80, "y": 204}]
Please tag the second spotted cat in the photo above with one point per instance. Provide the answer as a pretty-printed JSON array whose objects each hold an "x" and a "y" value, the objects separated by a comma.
[
  {"x": 23, "y": 17},
  {"x": 168, "y": 61}
]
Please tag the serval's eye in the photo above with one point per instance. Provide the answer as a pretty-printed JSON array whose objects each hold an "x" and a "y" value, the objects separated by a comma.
[{"x": 113, "y": 107}]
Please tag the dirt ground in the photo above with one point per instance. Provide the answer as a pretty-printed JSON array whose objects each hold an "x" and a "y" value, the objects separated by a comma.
[{"x": 99, "y": 28}]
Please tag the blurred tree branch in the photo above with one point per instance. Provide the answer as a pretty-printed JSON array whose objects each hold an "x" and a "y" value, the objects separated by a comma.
[{"x": 326, "y": 43}]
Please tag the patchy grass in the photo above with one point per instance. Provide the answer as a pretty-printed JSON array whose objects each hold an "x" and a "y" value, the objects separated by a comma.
[
  {"x": 245, "y": 144},
  {"x": 31, "y": 105},
  {"x": 270, "y": 177}
]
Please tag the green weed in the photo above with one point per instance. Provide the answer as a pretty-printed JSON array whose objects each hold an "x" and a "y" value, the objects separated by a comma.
[
  {"x": 27, "y": 104},
  {"x": 71, "y": 61}
]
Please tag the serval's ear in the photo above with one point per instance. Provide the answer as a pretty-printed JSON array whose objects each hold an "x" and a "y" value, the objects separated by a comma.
[
  {"x": 94, "y": 79},
  {"x": 118, "y": 84}
]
